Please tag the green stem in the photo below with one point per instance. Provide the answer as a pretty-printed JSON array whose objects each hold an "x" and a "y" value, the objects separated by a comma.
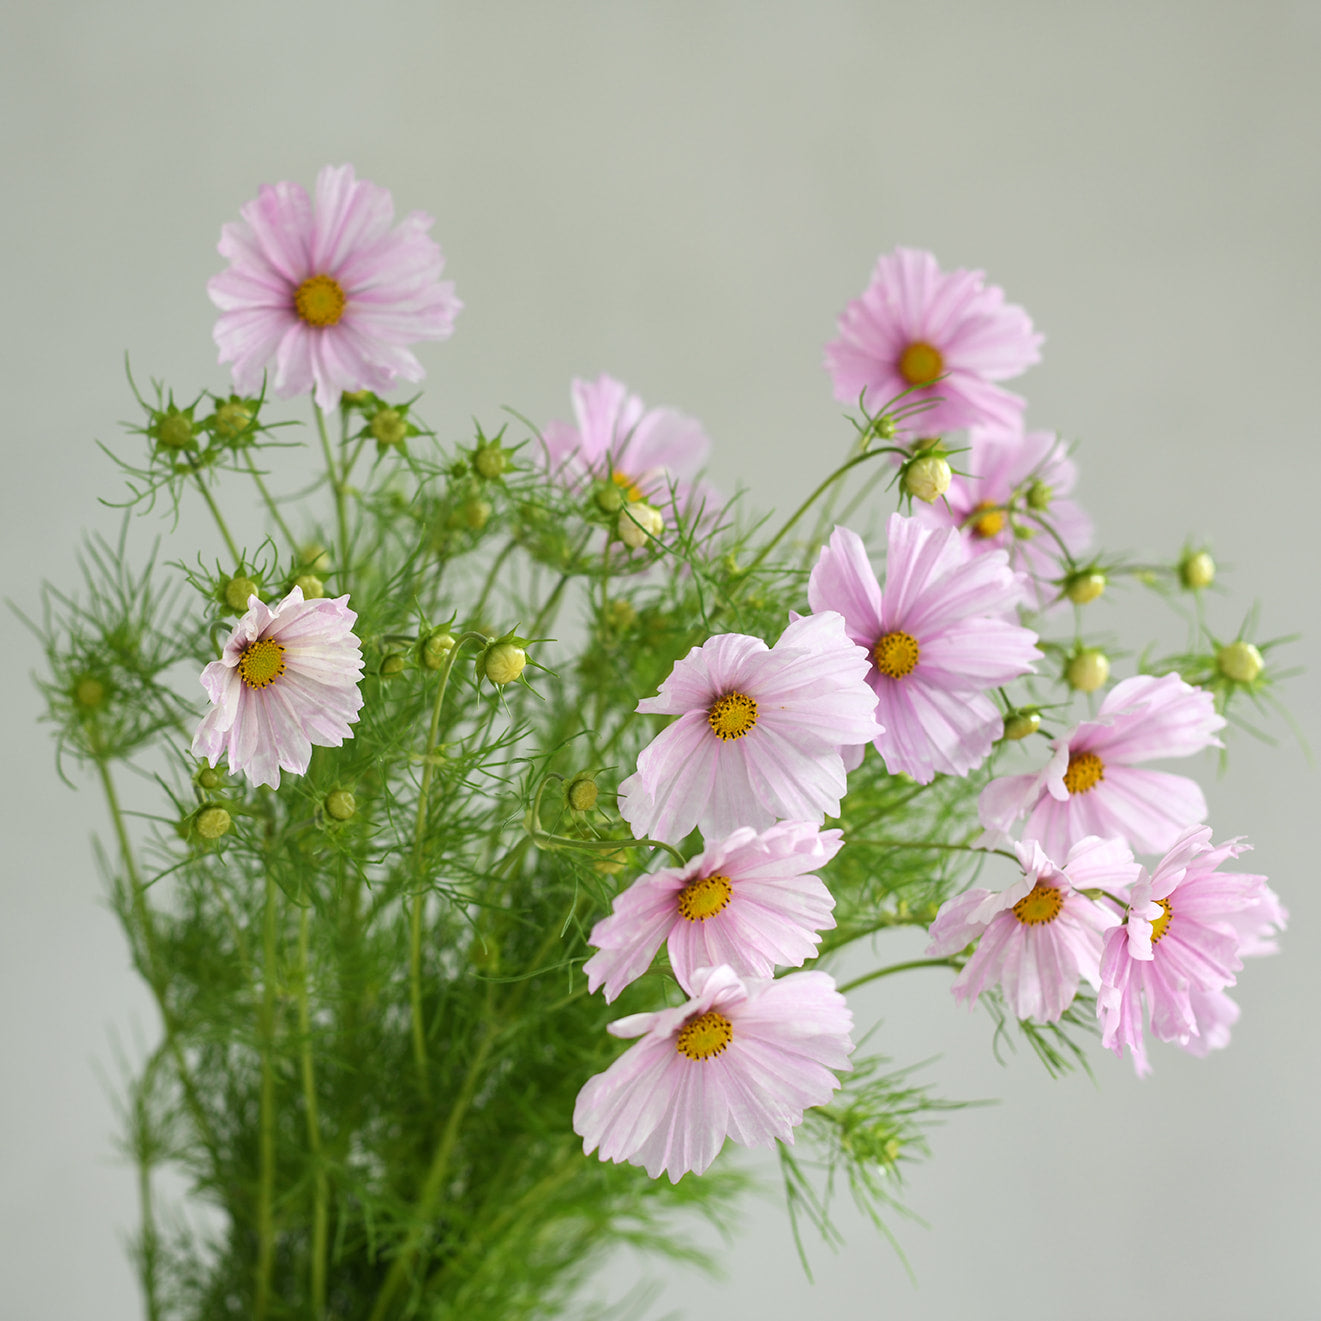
[
  {"x": 896, "y": 967},
  {"x": 266, "y": 1148},
  {"x": 928, "y": 844},
  {"x": 341, "y": 511},
  {"x": 320, "y": 1208},
  {"x": 220, "y": 521},
  {"x": 488, "y": 585},
  {"x": 271, "y": 506}
]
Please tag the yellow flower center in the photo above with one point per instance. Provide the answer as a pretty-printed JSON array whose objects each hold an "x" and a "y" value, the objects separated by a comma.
[
  {"x": 1162, "y": 922},
  {"x": 920, "y": 363},
  {"x": 261, "y": 664},
  {"x": 319, "y": 300},
  {"x": 705, "y": 1035},
  {"x": 896, "y": 654},
  {"x": 629, "y": 487},
  {"x": 732, "y": 715},
  {"x": 1041, "y": 906},
  {"x": 987, "y": 520},
  {"x": 704, "y": 898},
  {"x": 1084, "y": 772}
]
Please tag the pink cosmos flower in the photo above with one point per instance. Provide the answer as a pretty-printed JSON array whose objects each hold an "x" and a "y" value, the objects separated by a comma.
[
  {"x": 747, "y": 901},
  {"x": 644, "y": 451},
  {"x": 1090, "y": 786},
  {"x": 937, "y": 637},
  {"x": 1040, "y": 936},
  {"x": 758, "y": 736},
  {"x": 914, "y": 323},
  {"x": 332, "y": 294},
  {"x": 1181, "y": 937},
  {"x": 288, "y": 679},
  {"x": 742, "y": 1059},
  {"x": 1003, "y": 464}
]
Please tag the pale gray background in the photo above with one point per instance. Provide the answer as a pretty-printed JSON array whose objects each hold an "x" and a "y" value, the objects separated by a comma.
[{"x": 686, "y": 195}]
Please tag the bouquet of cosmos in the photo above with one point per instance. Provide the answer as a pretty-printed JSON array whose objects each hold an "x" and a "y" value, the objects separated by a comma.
[{"x": 494, "y": 751}]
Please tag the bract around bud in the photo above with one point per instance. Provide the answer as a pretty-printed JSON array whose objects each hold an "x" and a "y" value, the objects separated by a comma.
[
  {"x": 1087, "y": 670},
  {"x": 1039, "y": 496},
  {"x": 503, "y": 662},
  {"x": 389, "y": 427},
  {"x": 173, "y": 428}
]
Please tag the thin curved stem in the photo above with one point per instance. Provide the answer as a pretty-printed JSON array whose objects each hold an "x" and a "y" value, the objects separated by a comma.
[
  {"x": 878, "y": 973},
  {"x": 219, "y": 517},
  {"x": 341, "y": 509},
  {"x": 272, "y": 508}
]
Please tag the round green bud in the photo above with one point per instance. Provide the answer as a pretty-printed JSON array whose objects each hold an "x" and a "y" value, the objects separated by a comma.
[
  {"x": 237, "y": 591},
  {"x": 89, "y": 692},
  {"x": 312, "y": 587},
  {"x": 927, "y": 478},
  {"x": 1087, "y": 670},
  {"x": 476, "y": 514},
  {"x": 503, "y": 662},
  {"x": 883, "y": 427},
  {"x": 389, "y": 427},
  {"x": 233, "y": 418},
  {"x": 174, "y": 430},
  {"x": 1240, "y": 661},
  {"x": 1197, "y": 570},
  {"x": 1039, "y": 496},
  {"x": 1084, "y": 587},
  {"x": 1022, "y": 724},
  {"x": 340, "y": 805},
  {"x": 923, "y": 443},
  {"x": 210, "y": 778},
  {"x": 212, "y": 822},
  {"x": 1023, "y": 531},
  {"x": 609, "y": 498},
  {"x": 436, "y": 648},
  {"x": 581, "y": 792},
  {"x": 490, "y": 462},
  {"x": 393, "y": 664},
  {"x": 314, "y": 558},
  {"x": 639, "y": 523}
]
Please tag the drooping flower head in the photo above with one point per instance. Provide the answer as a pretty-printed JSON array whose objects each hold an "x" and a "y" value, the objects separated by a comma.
[
  {"x": 287, "y": 680},
  {"x": 749, "y": 901},
  {"x": 1039, "y": 937},
  {"x": 914, "y": 323},
  {"x": 1091, "y": 785},
  {"x": 644, "y": 451},
  {"x": 1001, "y": 464},
  {"x": 331, "y": 293},
  {"x": 1181, "y": 939},
  {"x": 742, "y": 1059},
  {"x": 758, "y": 736},
  {"x": 938, "y": 638}
]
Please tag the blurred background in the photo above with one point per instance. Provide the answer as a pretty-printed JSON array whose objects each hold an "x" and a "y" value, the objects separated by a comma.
[{"x": 686, "y": 195}]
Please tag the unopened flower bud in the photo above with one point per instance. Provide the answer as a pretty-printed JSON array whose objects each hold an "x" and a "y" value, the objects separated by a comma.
[
  {"x": 1039, "y": 496},
  {"x": 581, "y": 792},
  {"x": 609, "y": 498},
  {"x": 237, "y": 591},
  {"x": 639, "y": 523},
  {"x": 314, "y": 558},
  {"x": 491, "y": 461},
  {"x": 1087, "y": 670},
  {"x": 210, "y": 778},
  {"x": 503, "y": 662},
  {"x": 436, "y": 648},
  {"x": 212, "y": 822},
  {"x": 313, "y": 588},
  {"x": 927, "y": 478},
  {"x": 389, "y": 427},
  {"x": 1240, "y": 661},
  {"x": 89, "y": 692},
  {"x": 1084, "y": 587},
  {"x": 883, "y": 427},
  {"x": 476, "y": 514},
  {"x": 392, "y": 665},
  {"x": 1197, "y": 570},
  {"x": 340, "y": 805},
  {"x": 1022, "y": 724},
  {"x": 174, "y": 430},
  {"x": 233, "y": 418}
]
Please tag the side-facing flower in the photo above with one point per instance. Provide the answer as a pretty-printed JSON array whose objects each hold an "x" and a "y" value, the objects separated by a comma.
[
  {"x": 915, "y": 323},
  {"x": 286, "y": 681},
  {"x": 1039, "y": 937},
  {"x": 759, "y": 733},
  {"x": 748, "y": 901},
  {"x": 616, "y": 437},
  {"x": 938, "y": 638},
  {"x": 332, "y": 293},
  {"x": 1091, "y": 786},
  {"x": 742, "y": 1059},
  {"x": 1181, "y": 939}
]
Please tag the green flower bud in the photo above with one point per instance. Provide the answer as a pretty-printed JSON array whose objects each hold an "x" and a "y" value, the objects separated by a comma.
[
  {"x": 639, "y": 523},
  {"x": 883, "y": 427},
  {"x": 1088, "y": 670},
  {"x": 503, "y": 662},
  {"x": 393, "y": 664},
  {"x": 314, "y": 558},
  {"x": 312, "y": 586},
  {"x": 340, "y": 805},
  {"x": 1197, "y": 570},
  {"x": 580, "y": 793},
  {"x": 476, "y": 514},
  {"x": 1022, "y": 724},
  {"x": 1240, "y": 661},
  {"x": 609, "y": 498},
  {"x": 174, "y": 430},
  {"x": 210, "y": 778},
  {"x": 491, "y": 461},
  {"x": 89, "y": 692},
  {"x": 1084, "y": 587},
  {"x": 236, "y": 592},
  {"x": 1039, "y": 496},
  {"x": 389, "y": 427},
  {"x": 233, "y": 418},
  {"x": 212, "y": 822},
  {"x": 926, "y": 478},
  {"x": 436, "y": 648}
]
